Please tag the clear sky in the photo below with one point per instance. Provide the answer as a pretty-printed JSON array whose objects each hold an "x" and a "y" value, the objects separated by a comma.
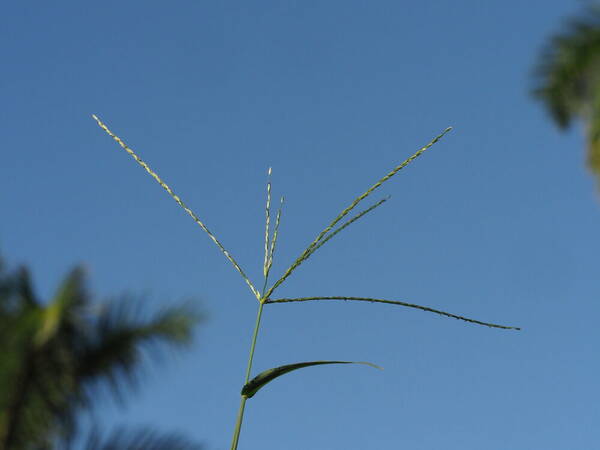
[{"x": 499, "y": 221}]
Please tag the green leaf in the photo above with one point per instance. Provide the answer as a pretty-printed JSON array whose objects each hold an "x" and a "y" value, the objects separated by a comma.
[
  {"x": 70, "y": 297},
  {"x": 254, "y": 385}
]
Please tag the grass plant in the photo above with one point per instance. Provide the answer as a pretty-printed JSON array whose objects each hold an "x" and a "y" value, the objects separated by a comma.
[{"x": 265, "y": 295}]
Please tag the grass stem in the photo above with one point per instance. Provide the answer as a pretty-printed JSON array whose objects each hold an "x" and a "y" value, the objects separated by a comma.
[
  {"x": 238, "y": 424},
  {"x": 240, "y": 416},
  {"x": 253, "y": 344}
]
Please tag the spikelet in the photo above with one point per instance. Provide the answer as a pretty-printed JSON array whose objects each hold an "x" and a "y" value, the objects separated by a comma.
[{"x": 180, "y": 203}]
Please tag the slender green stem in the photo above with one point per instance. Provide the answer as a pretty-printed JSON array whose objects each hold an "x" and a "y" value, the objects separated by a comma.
[
  {"x": 238, "y": 424},
  {"x": 253, "y": 345},
  {"x": 240, "y": 416},
  {"x": 265, "y": 286}
]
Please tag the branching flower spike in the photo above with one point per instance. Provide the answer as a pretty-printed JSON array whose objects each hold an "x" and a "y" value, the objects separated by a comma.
[
  {"x": 180, "y": 203},
  {"x": 267, "y": 226},
  {"x": 337, "y": 225},
  {"x": 393, "y": 302},
  {"x": 309, "y": 250}
]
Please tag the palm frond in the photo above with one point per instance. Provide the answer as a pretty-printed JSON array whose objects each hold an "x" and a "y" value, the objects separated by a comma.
[
  {"x": 569, "y": 68},
  {"x": 66, "y": 308},
  {"x": 39, "y": 370},
  {"x": 123, "y": 438},
  {"x": 593, "y": 132},
  {"x": 120, "y": 336},
  {"x": 53, "y": 354}
]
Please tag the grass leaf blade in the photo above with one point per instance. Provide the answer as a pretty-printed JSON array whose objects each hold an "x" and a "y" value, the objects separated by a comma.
[{"x": 254, "y": 385}]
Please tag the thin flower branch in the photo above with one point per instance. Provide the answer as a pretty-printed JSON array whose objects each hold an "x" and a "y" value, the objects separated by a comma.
[
  {"x": 275, "y": 234},
  {"x": 267, "y": 225},
  {"x": 352, "y": 205},
  {"x": 379, "y": 183},
  {"x": 180, "y": 203},
  {"x": 347, "y": 224},
  {"x": 392, "y": 302}
]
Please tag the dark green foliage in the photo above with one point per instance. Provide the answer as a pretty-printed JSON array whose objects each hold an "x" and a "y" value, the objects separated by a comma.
[
  {"x": 56, "y": 354},
  {"x": 142, "y": 439},
  {"x": 254, "y": 385},
  {"x": 568, "y": 78}
]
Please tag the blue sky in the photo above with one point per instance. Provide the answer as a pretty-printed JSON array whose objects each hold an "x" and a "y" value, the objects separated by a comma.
[{"x": 499, "y": 221}]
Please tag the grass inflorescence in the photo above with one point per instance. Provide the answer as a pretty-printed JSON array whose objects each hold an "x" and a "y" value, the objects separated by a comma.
[{"x": 250, "y": 387}]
